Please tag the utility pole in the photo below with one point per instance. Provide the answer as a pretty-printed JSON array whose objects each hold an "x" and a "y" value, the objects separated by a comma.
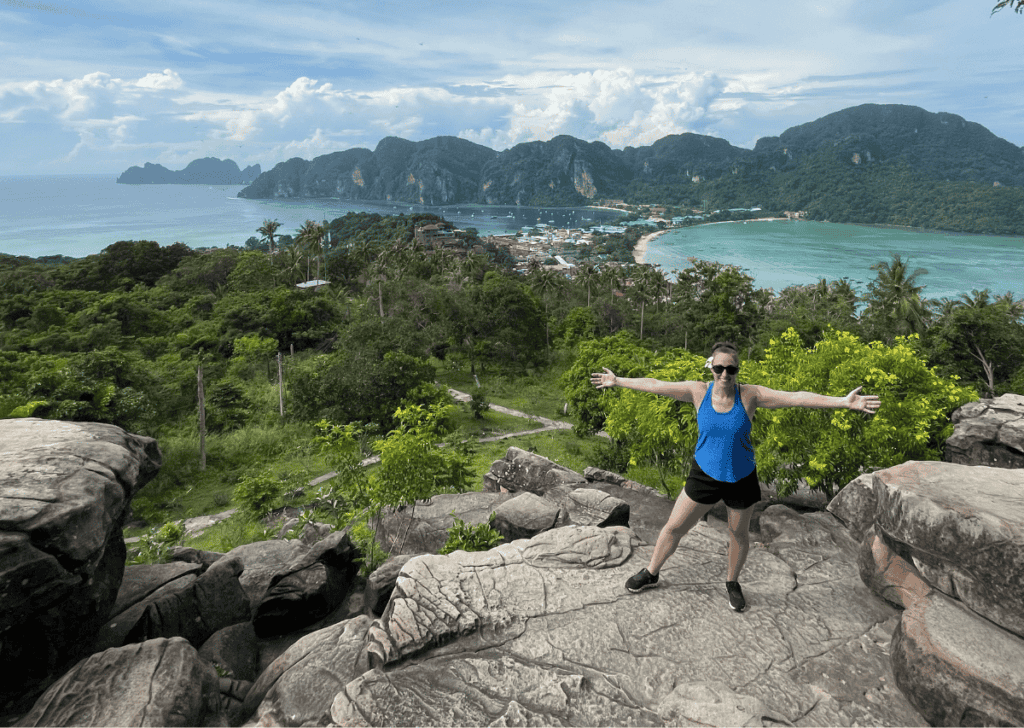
[
  {"x": 202, "y": 418},
  {"x": 280, "y": 382}
]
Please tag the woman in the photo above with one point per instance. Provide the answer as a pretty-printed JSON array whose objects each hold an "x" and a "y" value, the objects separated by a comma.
[{"x": 723, "y": 465}]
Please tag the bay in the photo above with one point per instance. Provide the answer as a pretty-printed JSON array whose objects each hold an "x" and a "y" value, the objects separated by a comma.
[
  {"x": 79, "y": 215},
  {"x": 783, "y": 253}
]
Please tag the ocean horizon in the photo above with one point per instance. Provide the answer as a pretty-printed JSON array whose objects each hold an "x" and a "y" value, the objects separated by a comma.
[{"x": 80, "y": 215}]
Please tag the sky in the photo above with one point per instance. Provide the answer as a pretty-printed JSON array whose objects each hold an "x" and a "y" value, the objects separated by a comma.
[{"x": 96, "y": 87}]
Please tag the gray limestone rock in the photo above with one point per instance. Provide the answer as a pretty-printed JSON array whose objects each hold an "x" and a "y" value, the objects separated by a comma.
[
  {"x": 593, "y": 474},
  {"x": 988, "y": 432},
  {"x": 65, "y": 490},
  {"x": 309, "y": 588},
  {"x": 235, "y": 649},
  {"x": 263, "y": 561},
  {"x": 115, "y": 632},
  {"x": 424, "y": 528},
  {"x": 214, "y": 601},
  {"x": 185, "y": 554},
  {"x": 591, "y": 507},
  {"x": 521, "y": 470},
  {"x": 543, "y": 632},
  {"x": 525, "y": 516},
  {"x": 381, "y": 583},
  {"x": 855, "y": 505},
  {"x": 162, "y": 682},
  {"x": 141, "y": 580},
  {"x": 299, "y": 686},
  {"x": 956, "y": 668},
  {"x": 964, "y": 528}
]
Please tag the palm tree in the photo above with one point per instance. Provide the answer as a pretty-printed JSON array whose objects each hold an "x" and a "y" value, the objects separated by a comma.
[
  {"x": 894, "y": 299},
  {"x": 268, "y": 230},
  {"x": 545, "y": 282},
  {"x": 312, "y": 235},
  {"x": 587, "y": 275},
  {"x": 649, "y": 284}
]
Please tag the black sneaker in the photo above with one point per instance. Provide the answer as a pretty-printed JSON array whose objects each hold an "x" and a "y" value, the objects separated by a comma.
[
  {"x": 736, "y": 601},
  {"x": 643, "y": 579}
]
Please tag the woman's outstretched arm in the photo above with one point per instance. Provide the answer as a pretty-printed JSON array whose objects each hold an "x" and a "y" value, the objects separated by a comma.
[
  {"x": 683, "y": 391},
  {"x": 774, "y": 399}
]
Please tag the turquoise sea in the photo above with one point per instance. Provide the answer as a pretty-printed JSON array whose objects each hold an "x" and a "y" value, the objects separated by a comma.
[
  {"x": 79, "y": 215},
  {"x": 782, "y": 253}
]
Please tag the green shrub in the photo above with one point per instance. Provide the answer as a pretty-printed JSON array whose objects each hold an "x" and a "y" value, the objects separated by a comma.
[
  {"x": 371, "y": 553},
  {"x": 257, "y": 494},
  {"x": 478, "y": 404},
  {"x": 463, "y": 536},
  {"x": 154, "y": 545}
]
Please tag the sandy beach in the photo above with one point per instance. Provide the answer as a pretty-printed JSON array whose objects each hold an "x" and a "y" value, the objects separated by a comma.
[{"x": 640, "y": 249}]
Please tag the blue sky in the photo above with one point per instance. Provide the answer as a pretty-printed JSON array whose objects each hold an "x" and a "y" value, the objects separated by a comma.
[{"x": 95, "y": 87}]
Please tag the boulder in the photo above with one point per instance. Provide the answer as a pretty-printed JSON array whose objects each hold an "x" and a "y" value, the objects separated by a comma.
[
  {"x": 648, "y": 509},
  {"x": 65, "y": 489},
  {"x": 214, "y": 601},
  {"x": 988, "y": 432},
  {"x": 115, "y": 632},
  {"x": 888, "y": 574},
  {"x": 525, "y": 516},
  {"x": 161, "y": 682},
  {"x": 855, "y": 505},
  {"x": 299, "y": 686},
  {"x": 955, "y": 668},
  {"x": 141, "y": 580},
  {"x": 963, "y": 528},
  {"x": 592, "y": 507},
  {"x": 381, "y": 583},
  {"x": 521, "y": 471},
  {"x": 235, "y": 650},
  {"x": 423, "y": 528},
  {"x": 543, "y": 632},
  {"x": 593, "y": 474},
  {"x": 185, "y": 554},
  {"x": 309, "y": 589},
  {"x": 264, "y": 560}
]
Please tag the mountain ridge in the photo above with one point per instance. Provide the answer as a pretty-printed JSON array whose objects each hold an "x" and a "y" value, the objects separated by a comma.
[
  {"x": 208, "y": 171},
  {"x": 565, "y": 171}
]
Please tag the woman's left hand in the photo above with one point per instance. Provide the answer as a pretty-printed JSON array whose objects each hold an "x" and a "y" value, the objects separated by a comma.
[{"x": 863, "y": 402}]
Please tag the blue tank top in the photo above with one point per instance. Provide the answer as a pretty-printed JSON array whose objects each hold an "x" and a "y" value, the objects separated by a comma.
[{"x": 724, "y": 448}]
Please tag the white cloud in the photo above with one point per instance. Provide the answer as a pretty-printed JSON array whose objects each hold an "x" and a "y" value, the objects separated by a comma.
[{"x": 619, "y": 107}]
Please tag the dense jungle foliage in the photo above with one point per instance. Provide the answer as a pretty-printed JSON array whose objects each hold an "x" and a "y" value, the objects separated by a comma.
[{"x": 118, "y": 337}]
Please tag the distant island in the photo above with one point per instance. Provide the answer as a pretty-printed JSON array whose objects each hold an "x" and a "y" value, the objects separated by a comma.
[
  {"x": 206, "y": 171},
  {"x": 879, "y": 164}
]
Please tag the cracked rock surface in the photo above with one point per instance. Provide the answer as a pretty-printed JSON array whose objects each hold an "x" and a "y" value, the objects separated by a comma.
[
  {"x": 989, "y": 432},
  {"x": 964, "y": 528},
  {"x": 543, "y": 632},
  {"x": 65, "y": 488}
]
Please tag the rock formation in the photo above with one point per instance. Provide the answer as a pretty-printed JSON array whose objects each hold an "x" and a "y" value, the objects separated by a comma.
[
  {"x": 206, "y": 171},
  {"x": 989, "y": 432},
  {"x": 893, "y": 607},
  {"x": 162, "y": 682},
  {"x": 65, "y": 489},
  {"x": 946, "y": 543}
]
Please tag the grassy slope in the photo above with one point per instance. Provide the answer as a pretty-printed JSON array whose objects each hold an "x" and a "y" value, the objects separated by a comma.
[{"x": 182, "y": 490}]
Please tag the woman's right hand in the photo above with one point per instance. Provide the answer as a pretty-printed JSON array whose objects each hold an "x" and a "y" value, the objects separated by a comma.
[{"x": 603, "y": 380}]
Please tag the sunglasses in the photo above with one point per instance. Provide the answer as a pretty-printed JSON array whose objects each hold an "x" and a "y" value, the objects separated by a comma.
[{"x": 718, "y": 369}]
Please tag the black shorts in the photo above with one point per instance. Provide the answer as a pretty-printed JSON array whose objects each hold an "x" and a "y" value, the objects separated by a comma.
[{"x": 704, "y": 489}]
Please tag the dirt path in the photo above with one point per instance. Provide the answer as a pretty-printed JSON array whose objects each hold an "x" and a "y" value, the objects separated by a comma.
[{"x": 195, "y": 526}]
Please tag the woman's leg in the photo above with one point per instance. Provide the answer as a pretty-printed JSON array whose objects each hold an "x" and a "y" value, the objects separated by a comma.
[
  {"x": 685, "y": 514},
  {"x": 739, "y": 540}
]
